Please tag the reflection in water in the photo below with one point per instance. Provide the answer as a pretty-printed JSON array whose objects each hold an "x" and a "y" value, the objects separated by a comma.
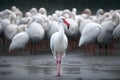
[
  {"x": 32, "y": 69},
  {"x": 38, "y": 70},
  {"x": 70, "y": 78}
]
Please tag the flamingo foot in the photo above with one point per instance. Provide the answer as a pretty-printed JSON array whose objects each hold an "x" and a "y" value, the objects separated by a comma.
[{"x": 58, "y": 75}]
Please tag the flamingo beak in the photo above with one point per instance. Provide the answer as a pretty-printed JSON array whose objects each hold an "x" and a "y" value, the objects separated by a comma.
[{"x": 68, "y": 25}]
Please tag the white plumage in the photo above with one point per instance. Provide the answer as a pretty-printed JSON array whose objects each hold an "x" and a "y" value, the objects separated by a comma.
[
  {"x": 89, "y": 33},
  {"x": 11, "y": 31},
  {"x": 59, "y": 43},
  {"x": 36, "y": 32},
  {"x": 19, "y": 41}
]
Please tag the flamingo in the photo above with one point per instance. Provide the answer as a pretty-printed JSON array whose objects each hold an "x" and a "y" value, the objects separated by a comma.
[
  {"x": 73, "y": 30},
  {"x": 8, "y": 17},
  {"x": 17, "y": 12},
  {"x": 43, "y": 11},
  {"x": 89, "y": 34},
  {"x": 86, "y": 13},
  {"x": 36, "y": 32},
  {"x": 83, "y": 24},
  {"x": 53, "y": 27},
  {"x": 33, "y": 11},
  {"x": 4, "y": 23},
  {"x": 105, "y": 37},
  {"x": 59, "y": 43},
  {"x": 11, "y": 30},
  {"x": 99, "y": 16},
  {"x": 19, "y": 41}
]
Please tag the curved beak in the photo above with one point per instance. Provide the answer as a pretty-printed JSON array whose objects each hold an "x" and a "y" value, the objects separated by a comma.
[{"x": 68, "y": 25}]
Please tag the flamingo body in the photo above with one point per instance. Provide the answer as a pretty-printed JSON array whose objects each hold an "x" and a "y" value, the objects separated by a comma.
[
  {"x": 35, "y": 31},
  {"x": 19, "y": 41},
  {"x": 89, "y": 33}
]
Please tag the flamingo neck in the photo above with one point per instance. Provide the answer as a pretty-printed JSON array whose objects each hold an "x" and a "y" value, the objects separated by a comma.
[{"x": 61, "y": 31}]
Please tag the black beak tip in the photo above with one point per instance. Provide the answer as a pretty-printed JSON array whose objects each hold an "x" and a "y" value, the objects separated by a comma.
[{"x": 68, "y": 26}]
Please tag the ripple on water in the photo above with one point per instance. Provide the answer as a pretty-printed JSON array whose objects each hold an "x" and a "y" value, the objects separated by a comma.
[{"x": 6, "y": 72}]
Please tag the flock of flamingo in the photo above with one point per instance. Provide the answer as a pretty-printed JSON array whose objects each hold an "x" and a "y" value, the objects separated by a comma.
[{"x": 102, "y": 28}]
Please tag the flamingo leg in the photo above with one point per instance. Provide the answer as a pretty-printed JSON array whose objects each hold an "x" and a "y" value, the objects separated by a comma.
[
  {"x": 58, "y": 63},
  {"x": 88, "y": 46},
  {"x": 46, "y": 44},
  {"x": 4, "y": 44},
  {"x": 100, "y": 49},
  {"x": 112, "y": 48},
  {"x": 84, "y": 50},
  {"x": 31, "y": 48},
  {"x": 35, "y": 46},
  {"x": 106, "y": 49},
  {"x": 93, "y": 49},
  {"x": 39, "y": 46}
]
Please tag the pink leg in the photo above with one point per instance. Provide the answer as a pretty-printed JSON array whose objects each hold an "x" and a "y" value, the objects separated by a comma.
[
  {"x": 112, "y": 48},
  {"x": 58, "y": 63},
  {"x": 93, "y": 49},
  {"x": 46, "y": 44},
  {"x": 56, "y": 59},
  {"x": 84, "y": 50},
  {"x": 72, "y": 46},
  {"x": 88, "y": 46}
]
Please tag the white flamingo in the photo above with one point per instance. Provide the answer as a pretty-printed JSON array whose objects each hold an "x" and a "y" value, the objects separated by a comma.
[
  {"x": 59, "y": 43},
  {"x": 83, "y": 24},
  {"x": 105, "y": 37},
  {"x": 33, "y": 11},
  {"x": 43, "y": 11},
  {"x": 86, "y": 13},
  {"x": 36, "y": 33},
  {"x": 19, "y": 41},
  {"x": 17, "y": 12},
  {"x": 53, "y": 27},
  {"x": 89, "y": 35},
  {"x": 81, "y": 27},
  {"x": 71, "y": 18},
  {"x": 11, "y": 31},
  {"x": 4, "y": 23}
]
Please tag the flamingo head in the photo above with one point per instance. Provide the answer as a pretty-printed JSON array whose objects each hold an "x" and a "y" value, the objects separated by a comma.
[{"x": 61, "y": 19}]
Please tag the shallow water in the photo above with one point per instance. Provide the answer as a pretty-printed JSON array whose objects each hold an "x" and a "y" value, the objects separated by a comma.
[{"x": 75, "y": 66}]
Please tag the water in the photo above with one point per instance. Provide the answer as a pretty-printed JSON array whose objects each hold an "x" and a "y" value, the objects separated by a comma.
[{"x": 75, "y": 66}]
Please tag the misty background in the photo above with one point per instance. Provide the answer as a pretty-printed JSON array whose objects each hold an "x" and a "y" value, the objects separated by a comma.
[{"x": 52, "y": 5}]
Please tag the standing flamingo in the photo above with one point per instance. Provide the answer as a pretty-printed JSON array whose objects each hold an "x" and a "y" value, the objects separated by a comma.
[
  {"x": 89, "y": 35},
  {"x": 36, "y": 33},
  {"x": 59, "y": 43},
  {"x": 106, "y": 35}
]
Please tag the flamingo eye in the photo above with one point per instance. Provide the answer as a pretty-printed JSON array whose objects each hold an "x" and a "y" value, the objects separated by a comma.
[{"x": 63, "y": 19}]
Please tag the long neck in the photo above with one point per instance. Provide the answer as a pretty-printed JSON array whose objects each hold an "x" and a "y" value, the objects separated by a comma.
[{"x": 61, "y": 31}]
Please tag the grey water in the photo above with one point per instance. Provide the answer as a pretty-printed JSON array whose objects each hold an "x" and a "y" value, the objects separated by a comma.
[{"x": 75, "y": 66}]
